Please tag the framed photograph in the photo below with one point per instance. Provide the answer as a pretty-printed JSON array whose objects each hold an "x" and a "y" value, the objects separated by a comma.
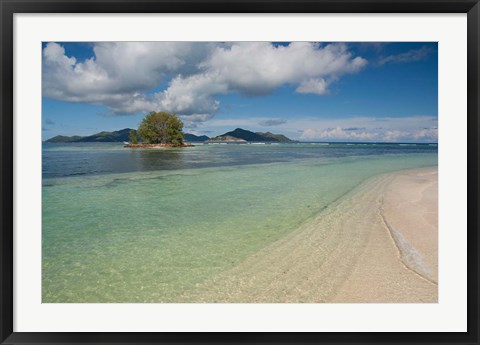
[{"x": 241, "y": 172}]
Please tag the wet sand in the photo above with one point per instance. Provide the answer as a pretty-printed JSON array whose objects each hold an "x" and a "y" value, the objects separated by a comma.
[{"x": 378, "y": 243}]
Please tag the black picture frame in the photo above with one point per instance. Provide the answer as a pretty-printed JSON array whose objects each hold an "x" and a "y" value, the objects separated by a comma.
[{"x": 9, "y": 7}]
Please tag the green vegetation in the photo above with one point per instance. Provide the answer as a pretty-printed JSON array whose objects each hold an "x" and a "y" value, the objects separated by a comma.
[
  {"x": 240, "y": 133},
  {"x": 161, "y": 128},
  {"x": 113, "y": 137},
  {"x": 133, "y": 136},
  {"x": 102, "y": 137},
  {"x": 275, "y": 137},
  {"x": 64, "y": 139},
  {"x": 193, "y": 137}
]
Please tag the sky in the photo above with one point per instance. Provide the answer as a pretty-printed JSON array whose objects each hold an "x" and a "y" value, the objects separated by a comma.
[{"x": 308, "y": 91}]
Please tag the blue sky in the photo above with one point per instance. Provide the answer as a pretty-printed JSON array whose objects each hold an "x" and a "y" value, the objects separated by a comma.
[{"x": 308, "y": 91}]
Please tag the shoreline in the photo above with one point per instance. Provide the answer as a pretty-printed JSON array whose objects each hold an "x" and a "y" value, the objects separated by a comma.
[
  {"x": 376, "y": 244},
  {"x": 416, "y": 236},
  {"x": 407, "y": 264}
]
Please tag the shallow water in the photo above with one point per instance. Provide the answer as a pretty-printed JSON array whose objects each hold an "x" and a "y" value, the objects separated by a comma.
[{"x": 122, "y": 225}]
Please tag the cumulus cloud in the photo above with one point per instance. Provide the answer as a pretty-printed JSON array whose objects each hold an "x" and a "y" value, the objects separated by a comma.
[
  {"x": 256, "y": 68},
  {"x": 316, "y": 86},
  {"x": 122, "y": 75},
  {"x": 193, "y": 120},
  {"x": 191, "y": 95},
  {"x": 119, "y": 74}
]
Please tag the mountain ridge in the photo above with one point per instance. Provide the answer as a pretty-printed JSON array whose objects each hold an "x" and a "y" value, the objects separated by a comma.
[
  {"x": 246, "y": 135},
  {"x": 123, "y": 135},
  {"x": 112, "y": 137}
]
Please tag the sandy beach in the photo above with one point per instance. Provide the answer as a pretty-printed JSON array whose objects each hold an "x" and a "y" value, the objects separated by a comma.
[{"x": 377, "y": 243}]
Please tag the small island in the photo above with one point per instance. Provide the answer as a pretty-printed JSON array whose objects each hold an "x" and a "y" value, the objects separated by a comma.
[{"x": 158, "y": 130}]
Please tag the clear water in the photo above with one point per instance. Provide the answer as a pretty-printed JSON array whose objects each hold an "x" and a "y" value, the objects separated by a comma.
[{"x": 123, "y": 225}]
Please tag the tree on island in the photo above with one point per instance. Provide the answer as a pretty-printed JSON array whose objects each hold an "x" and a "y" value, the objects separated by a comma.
[
  {"x": 133, "y": 136},
  {"x": 161, "y": 128}
]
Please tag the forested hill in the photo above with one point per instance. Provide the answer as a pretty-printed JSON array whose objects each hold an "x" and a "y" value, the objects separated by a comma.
[
  {"x": 124, "y": 135},
  {"x": 255, "y": 136},
  {"x": 115, "y": 136}
]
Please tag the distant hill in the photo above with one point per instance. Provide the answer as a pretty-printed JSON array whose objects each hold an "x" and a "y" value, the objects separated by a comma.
[
  {"x": 252, "y": 136},
  {"x": 193, "y": 137},
  {"x": 107, "y": 137},
  {"x": 102, "y": 137},
  {"x": 276, "y": 137},
  {"x": 64, "y": 139},
  {"x": 237, "y": 135},
  {"x": 111, "y": 137}
]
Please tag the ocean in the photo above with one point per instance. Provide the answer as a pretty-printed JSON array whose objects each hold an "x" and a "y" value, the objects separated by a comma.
[{"x": 148, "y": 225}]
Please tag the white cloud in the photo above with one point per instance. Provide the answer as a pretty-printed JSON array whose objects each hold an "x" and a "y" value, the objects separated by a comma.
[
  {"x": 426, "y": 134},
  {"x": 394, "y": 135},
  {"x": 191, "y": 95},
  {"x": 338, "y": 133},
  {"x": 316, "y": 86},
  {"x": 256, "y": 68},
  {"x": 409, "y": 56},
  {"x": 193, "y": 120},
  {"x": 385, "y": 129},
  {"x": 121, "y": 74}
]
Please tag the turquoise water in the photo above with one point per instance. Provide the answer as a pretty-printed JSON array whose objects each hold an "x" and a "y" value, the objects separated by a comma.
[{"x": 123, "y": 225}]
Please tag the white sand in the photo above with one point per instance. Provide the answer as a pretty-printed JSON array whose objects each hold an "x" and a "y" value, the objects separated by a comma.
[{"x": 376, "y": 244}]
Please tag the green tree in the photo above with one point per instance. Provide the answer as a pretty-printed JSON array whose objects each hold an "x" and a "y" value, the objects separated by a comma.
[
  {"x": 133, "y": 136},
  {"x": 161, "y": 128}
]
